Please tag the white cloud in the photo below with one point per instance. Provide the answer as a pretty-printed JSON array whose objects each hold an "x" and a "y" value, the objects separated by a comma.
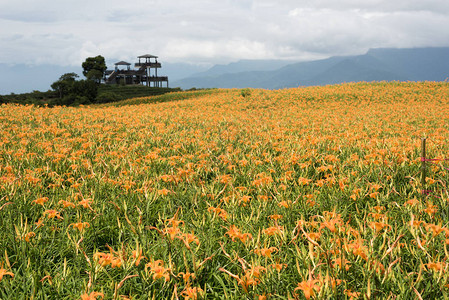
[{"x": 202, "y": 31}]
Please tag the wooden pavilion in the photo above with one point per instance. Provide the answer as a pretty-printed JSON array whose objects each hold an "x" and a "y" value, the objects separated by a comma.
[{"x": 145, "y": 72}]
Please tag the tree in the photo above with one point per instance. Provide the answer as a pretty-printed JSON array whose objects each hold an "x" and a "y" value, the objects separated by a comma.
[
  {"x": 94, "y": 67},
  {"x": 65, "y": 83},
  {"x": 85, "y": 88},
  {"x": 74, "y": 92}
]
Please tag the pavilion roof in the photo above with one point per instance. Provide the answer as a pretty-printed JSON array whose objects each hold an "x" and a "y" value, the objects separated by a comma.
[
  {"x": 147, "y": 56},
  {"x": 122, "y": 63}
]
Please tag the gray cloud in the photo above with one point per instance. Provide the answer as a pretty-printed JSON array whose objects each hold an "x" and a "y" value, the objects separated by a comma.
[{"x": 202, "y": 31}]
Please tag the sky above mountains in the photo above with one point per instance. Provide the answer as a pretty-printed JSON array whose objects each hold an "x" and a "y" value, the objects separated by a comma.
[{"x": 204, "y": 32}]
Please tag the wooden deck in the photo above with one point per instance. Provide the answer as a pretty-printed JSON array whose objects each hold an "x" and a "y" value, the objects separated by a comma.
[
  {"x": 148, "y": 65},
  {"x": 141, "y": 75}
]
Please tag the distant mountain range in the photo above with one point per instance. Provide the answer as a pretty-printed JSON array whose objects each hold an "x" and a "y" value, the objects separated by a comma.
[
  {"x": 414, "y": 64},
  {"x": 383, "y": 64}
]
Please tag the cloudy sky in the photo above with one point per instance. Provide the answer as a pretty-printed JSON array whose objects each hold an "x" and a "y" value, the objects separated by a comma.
[{"x": 65, "y": 32}]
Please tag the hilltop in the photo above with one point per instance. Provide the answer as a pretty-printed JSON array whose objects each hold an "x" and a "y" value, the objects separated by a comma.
[{"x": 106, "y": 93}]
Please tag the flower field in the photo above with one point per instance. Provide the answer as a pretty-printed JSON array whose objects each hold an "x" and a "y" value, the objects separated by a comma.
[{"x": 307, "y": 193}]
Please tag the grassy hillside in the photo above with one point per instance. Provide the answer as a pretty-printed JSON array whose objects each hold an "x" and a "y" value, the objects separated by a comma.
[
  {"x": 106, "y": 93},
  {"x": 111, "y": 93},
  {"x": 170, "y": 96},
  {"x": 35, "y": 97},
  {"x": 298, "y": 193}
]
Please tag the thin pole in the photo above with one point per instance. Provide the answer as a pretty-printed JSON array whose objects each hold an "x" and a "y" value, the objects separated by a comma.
[{"x": 423, "y": 164}]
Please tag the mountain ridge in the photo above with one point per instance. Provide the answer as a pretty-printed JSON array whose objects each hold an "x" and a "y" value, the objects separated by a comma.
[{"x": 377, "y": 64}]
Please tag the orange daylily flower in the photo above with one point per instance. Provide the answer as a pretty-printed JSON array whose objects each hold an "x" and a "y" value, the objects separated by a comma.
[
  {"x": 315, "y": 236},
  {"x": 358, "y": 248},
  {"x": 137, "y": 256},
  {"x": 158, "y": 270},
  {"x": 28, "y": 236},
  {"x": 164, "y": 192},
  {"x": 192, "y": 293},
  {"x": 411, "y": 202},
  {"x": 172, "y": 232},
  {"x": 283, "y": 204},
  {"x": 225, "y": 179},
  {"x": 219, "y": 211},
  {"x": 436, "y": 229},
  {"x": 378, "y": 226},
  {"x": 250, "y": 278},
  {"x": 85, "y": 203},
  {"x": 435, "y": 266},
  {"x": 80, "y": 225},
  {"x": 304, "y": 181},
  {"x": 430, "y": 180},
  {"x": 40, "y": 201},
  {"x": 186, "y": 276},
  {"x": 341, "y": 262},
  {"x": 273, "y": 230},
  {"x": 51, "y": 214},
  {"x": 373, "y": 195},
  {"x": 275, "y": 217},
  {"x": 66, "y": 204},
  {"x": 278, "y": 266},
  {"x": 188, "y": 238},
  {"x": 234, "y": 233},
  {"x": 39, "y": 223},
  {"x": 266, "y": 251},
  {"x": 245, "y": 200},
  {"x": 105, "y": 259},
  {"x": 309, "y": 287},
  {"x": 332, "y": 224},
  {"x": 430, "y": 209},
  {"x": 3, "y": 272},
  {"x": 352, "y": 295},
  {"x": 92, "y": 296}
]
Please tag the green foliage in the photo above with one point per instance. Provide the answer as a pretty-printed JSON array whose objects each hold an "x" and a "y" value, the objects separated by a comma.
[
  {"x": 85, "y": 88},
  {"x": 64, "y": 84},
  {"x": 94, "y": 67},
  {"x": 95, "y": 75},
  {"x": 74, "y": 92},
  {"x": 171, "y": 95},
  {"x": 114, "y": 93},
  {"x": 106, "y": 97},
  {"x": 35, "y": 97},
  {"x": 65, "y": 93},
  {"x": 245, "y": 93}
]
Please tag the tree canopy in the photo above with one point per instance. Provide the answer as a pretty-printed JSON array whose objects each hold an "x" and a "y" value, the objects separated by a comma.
[
  {"x": 64, "y": 84},
  {"x": 94, "y": 67},
  {"x": 72, "y": 91}
]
